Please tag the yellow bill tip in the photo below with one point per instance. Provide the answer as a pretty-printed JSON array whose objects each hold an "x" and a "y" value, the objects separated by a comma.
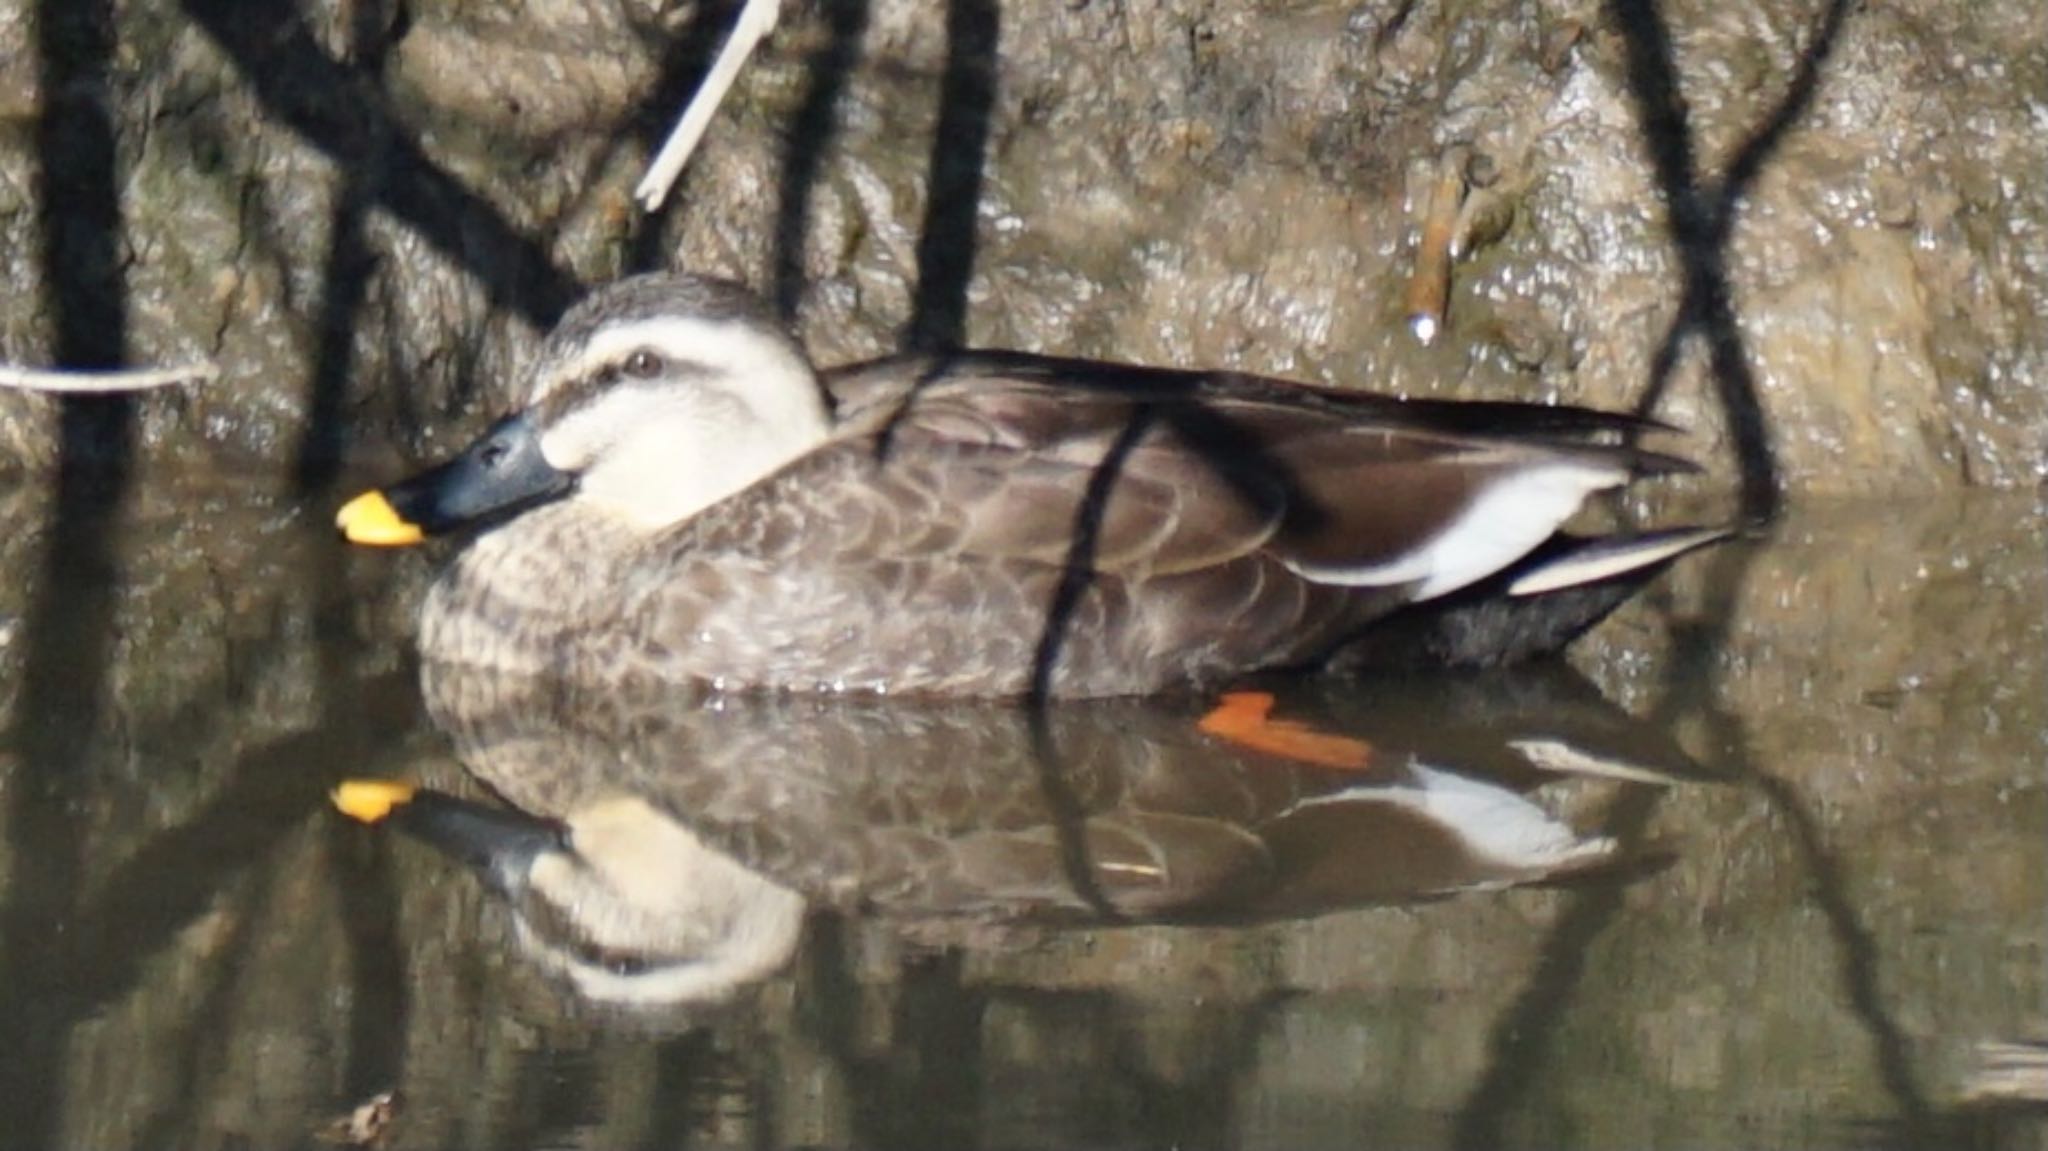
[
  {"x": 370, "y": 519},
  {"x": 371, "y": 800}
]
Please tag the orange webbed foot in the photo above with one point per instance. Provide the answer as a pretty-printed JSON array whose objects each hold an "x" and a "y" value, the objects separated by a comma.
[{"x": 1244, "y": 718}]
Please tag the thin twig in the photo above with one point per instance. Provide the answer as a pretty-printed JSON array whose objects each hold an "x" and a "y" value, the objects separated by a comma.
[
  {"x": 756, "y": 21},
  {"x": 72, "y": 381},
  {"x": 1429, "y": 282}
]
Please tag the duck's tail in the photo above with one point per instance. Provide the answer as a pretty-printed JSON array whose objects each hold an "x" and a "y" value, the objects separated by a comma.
[
  {"x": 1533, "y": 608},
  {"x": 1574, "y": 561}
]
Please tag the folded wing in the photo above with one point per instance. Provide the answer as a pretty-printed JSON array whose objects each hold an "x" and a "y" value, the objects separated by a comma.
[{"x": 1144, "y": 474}]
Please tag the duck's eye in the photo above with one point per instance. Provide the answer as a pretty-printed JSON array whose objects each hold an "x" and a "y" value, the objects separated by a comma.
[{"x": 643, "y": 364}]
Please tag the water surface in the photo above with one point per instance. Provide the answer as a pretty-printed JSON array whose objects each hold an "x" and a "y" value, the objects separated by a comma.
[{"x": 1803, "y": 936}]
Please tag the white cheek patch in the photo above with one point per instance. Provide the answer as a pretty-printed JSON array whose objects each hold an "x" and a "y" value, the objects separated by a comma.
[
  {"x": 626, "y": 416},
  {"x": 572, "y": 443},
  {"x": 655, "y": 454}
]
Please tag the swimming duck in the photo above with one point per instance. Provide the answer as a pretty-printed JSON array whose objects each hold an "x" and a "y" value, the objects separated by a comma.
[{"x": 684, "y": 498}]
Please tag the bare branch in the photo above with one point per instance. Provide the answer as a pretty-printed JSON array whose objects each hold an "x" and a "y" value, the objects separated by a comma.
[
  {"x": 68, "y": 381},
  {"x": 756, "y": 21}
]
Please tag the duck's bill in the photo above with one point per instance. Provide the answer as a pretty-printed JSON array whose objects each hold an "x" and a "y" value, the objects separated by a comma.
[
  {"x": 502, "y": 474},
  {"x": 370, "y": 520},
  {"x": 499, "y": 843},
  {"x": 371, "y": 800}
]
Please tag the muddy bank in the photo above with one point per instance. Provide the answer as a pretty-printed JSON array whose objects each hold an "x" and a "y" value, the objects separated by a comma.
[{"x": 362, "y": 211}]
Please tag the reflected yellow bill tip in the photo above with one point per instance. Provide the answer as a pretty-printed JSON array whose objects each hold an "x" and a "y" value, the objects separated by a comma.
[
  {"x": 371, "y": 520},
  {"x": 370, "y": 800}
]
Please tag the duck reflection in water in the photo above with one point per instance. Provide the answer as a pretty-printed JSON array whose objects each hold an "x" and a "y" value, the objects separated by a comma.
[{"x": 660, "y": 851}]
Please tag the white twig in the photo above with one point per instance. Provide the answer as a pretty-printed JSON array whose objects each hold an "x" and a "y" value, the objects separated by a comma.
[
  {"x": 756, "y": 21},
  {"x": 67, "y": 381}
]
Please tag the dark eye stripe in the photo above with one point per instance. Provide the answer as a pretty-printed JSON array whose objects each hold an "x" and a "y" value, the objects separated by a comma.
[{"x": 571, "y": 395}]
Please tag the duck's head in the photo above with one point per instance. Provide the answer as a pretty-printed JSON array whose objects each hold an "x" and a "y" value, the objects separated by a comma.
[
  {"x": 654, "y": 398},
  {"x": 629, "y": 905}
]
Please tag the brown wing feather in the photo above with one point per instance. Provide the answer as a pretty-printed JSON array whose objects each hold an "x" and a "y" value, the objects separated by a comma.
[
  {"x": 1205, "y": 479},
  {"x": 1023, "y": 471},
  {"x": 922, "y": 547}
]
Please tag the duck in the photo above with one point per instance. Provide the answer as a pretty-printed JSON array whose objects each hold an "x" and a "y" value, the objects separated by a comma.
[{"x": 681, "y": 497}]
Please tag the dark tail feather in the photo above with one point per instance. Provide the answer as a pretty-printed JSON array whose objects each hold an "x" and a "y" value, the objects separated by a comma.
[
  {"x": 1571, "y": 561},
  {"x": 1532, "y": 609}
]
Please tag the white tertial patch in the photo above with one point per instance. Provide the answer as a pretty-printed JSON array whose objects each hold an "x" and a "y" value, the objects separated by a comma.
[
  {"x": 1561, "y": 758},
  {"x": 1503, "y": 522},
  {"x": 1498, "y": 825},
  {"x": 1608, "y": 558},
  {"x": 732, "y": 405},
  {"x": 1492, "y": 822}
]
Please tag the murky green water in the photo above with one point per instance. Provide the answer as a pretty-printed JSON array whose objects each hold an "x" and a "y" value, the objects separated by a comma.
[{"x": 1795, "y": 880}]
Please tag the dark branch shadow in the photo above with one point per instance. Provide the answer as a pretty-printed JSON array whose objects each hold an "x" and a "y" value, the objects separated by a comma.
[
  {"x": 1857, "y": 950},
  {"x": 1259, "y": 475},
  {"x": 68, "y": 639},
  {"x": 1240, "y": 459},
  {"x": 1858, "y": 969},
  {"x": 156, "y": 892},
  {"x": 380, "y": 1000},
  {"x": 343, "y": 115},
  {"x": 1702, "y": 220},
  {"x": 809, "y": 139},
  {"x": 938, "y": 1019},
  {"x": 683, "y": 64},
  {"x": 346, "y": 282},
  {"x": 1522, "y": 1038},
  {"x": 1078, "y": 574},
  {"x": 1237, "y": 457},
  {"x": 1921, "y": 1126},
  {"x": 365, "y": 885},
  {"x": 209, "y": 1028},
  {"x": 946, "y": 242}
]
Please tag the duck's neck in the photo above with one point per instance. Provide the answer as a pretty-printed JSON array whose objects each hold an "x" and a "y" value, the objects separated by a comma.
[{"x": 507, "y": 599}]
